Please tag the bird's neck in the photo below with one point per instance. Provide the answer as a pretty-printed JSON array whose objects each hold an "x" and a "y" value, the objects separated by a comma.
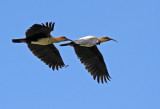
[
  {"x": 55, "y": 40},
  {"x": 101, "y": 40}
]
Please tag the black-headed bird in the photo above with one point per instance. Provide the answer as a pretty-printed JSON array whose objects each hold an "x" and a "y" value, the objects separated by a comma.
[
  {"x": 90, "y": 56},
  {"x": 40, "y": 42}
]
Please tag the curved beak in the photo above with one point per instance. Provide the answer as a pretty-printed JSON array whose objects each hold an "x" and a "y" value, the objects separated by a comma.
[
  {"x": 113, "y": 40},
  {"x": 68, "y": 39}
]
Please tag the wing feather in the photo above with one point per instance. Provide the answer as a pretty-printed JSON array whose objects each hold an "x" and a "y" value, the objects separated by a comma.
[
  {"x": 40, "y": 29},
  {"x": 49, "y": 54},
  {"x": 93, "y": 61}
]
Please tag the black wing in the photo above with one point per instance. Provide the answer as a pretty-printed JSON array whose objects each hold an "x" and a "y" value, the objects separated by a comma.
[
  {"x": 49, "y": 54},
  {"x": 93, "y": 61},
  {"x": 40, "y": 29}
]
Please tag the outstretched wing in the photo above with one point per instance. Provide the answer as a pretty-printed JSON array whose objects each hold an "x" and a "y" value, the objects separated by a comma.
[
  {"x": 93, "y": 61},
  {"x": 49, "y": 54},
  {"x": 40, "y": 29}
]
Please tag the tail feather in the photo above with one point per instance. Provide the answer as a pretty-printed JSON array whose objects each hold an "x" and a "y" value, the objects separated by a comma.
[
  {"x": 18, "y": 40},
  {"x": 66, "y": 44}
]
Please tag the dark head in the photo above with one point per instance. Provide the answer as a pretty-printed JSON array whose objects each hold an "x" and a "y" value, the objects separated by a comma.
[
  {"x": 106, "y": 38},
  {"x": 63, "y": 38}
]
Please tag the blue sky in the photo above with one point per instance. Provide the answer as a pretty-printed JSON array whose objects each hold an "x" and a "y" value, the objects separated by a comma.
[{"x": 133, "y": 62}]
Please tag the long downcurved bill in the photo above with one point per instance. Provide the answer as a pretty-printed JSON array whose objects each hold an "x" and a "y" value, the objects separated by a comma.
[
  {"x": 68, "y": 39},
  {"x": 113, "y": 40}
]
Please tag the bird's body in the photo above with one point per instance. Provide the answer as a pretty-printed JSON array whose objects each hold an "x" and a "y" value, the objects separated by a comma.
[
  {"x": 87, "y": 41},
  {"x": 46, "y": 41},
  {"x": 40, "y": 42},
  {"x": 90, "y": 56}
]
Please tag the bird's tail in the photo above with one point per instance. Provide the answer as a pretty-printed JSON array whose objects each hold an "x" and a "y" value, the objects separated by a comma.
[
  {"x": 18, "y": 40},
  {"x": 66, "y": 44}
]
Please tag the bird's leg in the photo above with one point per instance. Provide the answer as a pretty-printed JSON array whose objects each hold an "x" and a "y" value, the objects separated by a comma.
[{"x": 66, "y": 66}]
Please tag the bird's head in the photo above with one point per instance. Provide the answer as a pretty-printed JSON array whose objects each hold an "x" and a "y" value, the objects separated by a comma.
[
  {"x": 63, "y": 38},
  {"x": 106, "y": 38}
]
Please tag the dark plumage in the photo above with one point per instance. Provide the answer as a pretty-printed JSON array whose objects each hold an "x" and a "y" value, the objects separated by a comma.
[
  {"x": 40, "y": 42},
  {"x": 49, "y": 54},
  {"x": 88, "y": 53},
  {"x": 93, "y": 61}
]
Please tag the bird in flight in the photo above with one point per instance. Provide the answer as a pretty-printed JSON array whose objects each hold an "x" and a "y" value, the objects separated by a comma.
[
  {"x": 90, "y": 56},
  {"x": 40, "y": 42}
]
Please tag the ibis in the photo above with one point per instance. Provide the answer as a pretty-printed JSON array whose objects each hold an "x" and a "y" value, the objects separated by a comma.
[
  {"x": 40, "y": 42},
  {"x": 88, "y": 53}
]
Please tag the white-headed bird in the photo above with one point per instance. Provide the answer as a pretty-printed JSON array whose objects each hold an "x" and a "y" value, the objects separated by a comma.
[
  {"x": 40, "y": 42},
  {"x": 90, "y": 56}
]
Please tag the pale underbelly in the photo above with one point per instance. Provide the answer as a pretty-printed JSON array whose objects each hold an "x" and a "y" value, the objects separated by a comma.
[
  {"x": 87, "y": 45},
  {"x": 43, "y": 41}
]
